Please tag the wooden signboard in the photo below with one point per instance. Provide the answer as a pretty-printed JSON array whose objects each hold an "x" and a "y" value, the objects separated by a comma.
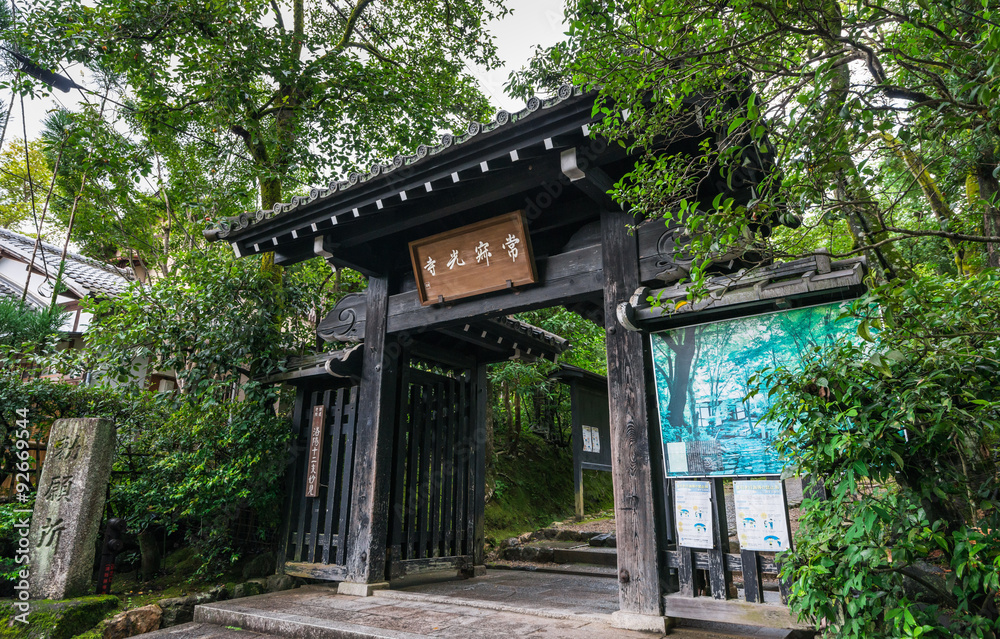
[
  {"x": 315, "y": 451},
  {"x": 486, "y": 256}
]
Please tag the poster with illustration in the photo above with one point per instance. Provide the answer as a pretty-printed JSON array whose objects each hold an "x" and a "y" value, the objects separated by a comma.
[
  {"x": 761, "y": 520},
  {"x": 693, "y": 513},
  {"x": 702, "y": 376}
]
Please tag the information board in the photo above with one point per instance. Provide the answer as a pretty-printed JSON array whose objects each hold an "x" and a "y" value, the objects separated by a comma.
[
  {"x": 761, "y": 516},
  {"x": 707, "y": 424},
  {"x": 693, "y": 513}
]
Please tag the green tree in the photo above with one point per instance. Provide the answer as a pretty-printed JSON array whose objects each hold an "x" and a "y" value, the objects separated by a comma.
[
  {"x": 305, "y": 88},
  {"x": 20, "y": 199},
  {"x": 902, "y": 433},
  {"x": 849, "y": 100}
]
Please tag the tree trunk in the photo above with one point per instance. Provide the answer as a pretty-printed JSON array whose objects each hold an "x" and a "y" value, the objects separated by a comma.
[
  {"x": 987, "y": 195},
  {"x": 684, "y": 356}
]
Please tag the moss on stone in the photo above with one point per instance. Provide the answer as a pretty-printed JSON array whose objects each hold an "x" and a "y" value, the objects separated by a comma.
[{"x": 56, "y": 619}]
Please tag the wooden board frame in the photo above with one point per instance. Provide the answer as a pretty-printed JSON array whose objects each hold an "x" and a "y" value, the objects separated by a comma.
[{"x": 503, "y": 274}]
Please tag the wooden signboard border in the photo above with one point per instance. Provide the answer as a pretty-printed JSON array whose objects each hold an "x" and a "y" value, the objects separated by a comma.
[{"x": 515, "y": 218}]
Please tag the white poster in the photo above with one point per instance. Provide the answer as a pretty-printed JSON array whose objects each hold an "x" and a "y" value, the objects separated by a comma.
[
  {"x": 595, "y": 439},
  {"x": 693, "y": 512},
  {"x": 761, "y": 519},
  {"x": 677, "y": 461},
  {"x": 588, "y": 444}
]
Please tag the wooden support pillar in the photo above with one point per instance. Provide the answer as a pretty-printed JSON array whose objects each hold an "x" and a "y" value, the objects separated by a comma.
[
  {"x": 577, "y": 442},
  {"x": 638, "y": 562},
  {"x": 481, "y": 386},
  {"x": 368, "y": 526}
]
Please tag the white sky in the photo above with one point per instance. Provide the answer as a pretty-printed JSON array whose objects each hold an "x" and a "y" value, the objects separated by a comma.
[{"x": 532, "y": 22}]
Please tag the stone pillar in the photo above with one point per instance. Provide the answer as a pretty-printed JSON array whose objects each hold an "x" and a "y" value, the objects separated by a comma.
[{"x": 69, "y": 505}]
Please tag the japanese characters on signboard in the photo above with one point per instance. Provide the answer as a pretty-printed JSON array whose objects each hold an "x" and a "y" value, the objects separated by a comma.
[
  {"x": 486, "y": 256},
  {"x": 315, "y": 450}
]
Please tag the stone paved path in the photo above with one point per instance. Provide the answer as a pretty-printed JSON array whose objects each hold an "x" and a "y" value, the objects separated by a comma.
[{"x": 501, "y": 605}]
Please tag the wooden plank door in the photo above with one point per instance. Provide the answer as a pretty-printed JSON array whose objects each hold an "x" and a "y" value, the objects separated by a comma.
[
  {"x": 434, "y": 480},
  {"x": 316, "y": 521}
]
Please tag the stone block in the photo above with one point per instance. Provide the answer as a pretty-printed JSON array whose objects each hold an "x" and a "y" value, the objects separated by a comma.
[
  {"x": 360, "y": 590},
  {"x": 177, "y": 610},
  {"x": 133, "y": 622},
  {"x": 277, "y": 583},
  {"x": 549, "y": 533},
  {"x": 69, "y": 506},
  {"x": 567, "y": 535},
  {"x": 248, "y": 589},
  {"x": 599, "y": 540},
  {"x": 262, "y": 565},
  {"x": 645, "y": 623},
  {"x": 219, "y": 593}
]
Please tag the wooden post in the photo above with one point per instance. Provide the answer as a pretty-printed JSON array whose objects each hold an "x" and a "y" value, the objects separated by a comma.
[
  {"x": 638, "y": 562},
  {"x": 481, "y": 383},
  {"x": 368, "y": 526},
  {"x": 719, "y": 579},
  {"x": 577, "y": 442},
  {"x": 291, "y": 474}
]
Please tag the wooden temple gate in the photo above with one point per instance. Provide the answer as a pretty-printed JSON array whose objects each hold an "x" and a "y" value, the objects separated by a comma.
[{"x": 404, "y": 410}]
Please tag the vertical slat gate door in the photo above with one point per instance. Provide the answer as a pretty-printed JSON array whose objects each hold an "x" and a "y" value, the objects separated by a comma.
[
  {"x": 319, "y": 483},
  {"x": 433, "y": 501}
]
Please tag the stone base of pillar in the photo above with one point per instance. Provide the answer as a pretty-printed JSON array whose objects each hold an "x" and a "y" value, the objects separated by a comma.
[
  {"x": 636, "y": 621},
  {"x": 474, "y": 571},
  {"x": 360, "y": 590}
]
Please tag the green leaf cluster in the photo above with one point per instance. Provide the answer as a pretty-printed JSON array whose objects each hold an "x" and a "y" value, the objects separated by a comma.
[{"x": 902, "y": 432}]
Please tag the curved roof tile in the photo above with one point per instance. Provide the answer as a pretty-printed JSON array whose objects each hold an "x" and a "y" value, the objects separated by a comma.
[{"x": 225, "y": 227}]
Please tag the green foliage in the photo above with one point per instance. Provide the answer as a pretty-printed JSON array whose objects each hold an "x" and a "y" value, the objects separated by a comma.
[
  {"x": 299, "y": 87},
  {"x": 903, "y": 433},
  {"x": 50, "y": 619},
  {"x": 875, "y": 114},
  {"x": 16, "y": 191},
  {"x": 219, "y": 324},
  {"x": 534, "y": 487},
  {"x": 23, "y": 324}
]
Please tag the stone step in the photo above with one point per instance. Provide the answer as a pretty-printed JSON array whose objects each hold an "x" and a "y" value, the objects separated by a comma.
[
  {"x": 278, "y": 623},
  {"x": 586, "y": 555},
  {"x": 195, "y": 630}
]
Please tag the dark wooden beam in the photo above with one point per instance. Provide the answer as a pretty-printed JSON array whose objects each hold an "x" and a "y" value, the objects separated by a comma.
[
  {"x": 585, "y": 175},
  {"x": 514, "y": 180},
  {"x": 632, "y": 472},
  {"x": 373, "y": 440}
]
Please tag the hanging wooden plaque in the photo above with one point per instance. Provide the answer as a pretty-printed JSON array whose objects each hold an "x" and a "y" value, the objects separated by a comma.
[
  {"x": 479, "y": 258},
  {"x": 315, "y": 451}
]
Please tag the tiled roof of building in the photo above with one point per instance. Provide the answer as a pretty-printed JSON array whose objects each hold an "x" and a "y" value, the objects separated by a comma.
[
  {"x": 82, "y": 275},
  {"x": 424, "y": 152}
]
